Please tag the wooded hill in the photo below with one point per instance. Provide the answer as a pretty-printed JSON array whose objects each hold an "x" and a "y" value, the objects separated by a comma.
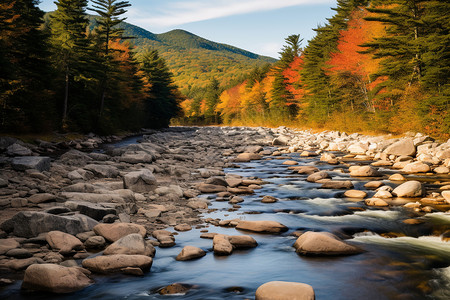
[{"x": 193, "y": 60}]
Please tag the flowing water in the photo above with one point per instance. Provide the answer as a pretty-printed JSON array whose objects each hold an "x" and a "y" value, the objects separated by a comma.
[{"x": 415, "y": 265}]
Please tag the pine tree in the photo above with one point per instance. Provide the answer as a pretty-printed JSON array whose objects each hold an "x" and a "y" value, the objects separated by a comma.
[
  {"x": 25, "y": 74},
  {"x": 212, "y": 95},
  {"x": 68, "y": 28},
  {"x": 163, "y": 95},
  {"x": 109, "y": 12}
]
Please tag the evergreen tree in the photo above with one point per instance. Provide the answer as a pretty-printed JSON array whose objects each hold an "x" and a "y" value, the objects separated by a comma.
[
  {"x": 212, "y": 95},
  {"x": 163, "y": 95},
  {"x": 109, "y": 12},
  {"x": 25, "y": 74},
  {"x": 68, "y": 28}
]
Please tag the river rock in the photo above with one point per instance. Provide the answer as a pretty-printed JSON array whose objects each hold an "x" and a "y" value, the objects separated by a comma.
[
  {"x": 262, "y": 226},
  {"x": 409, "y": 189},
  {"x": 242, "y": 241},
  {"x": 40, "y": 163},
  {"x": 306, "y": 170},
  {"x": 103, "y": 171},
  {"x": 113, "y": 232},
  {"x": 446, "y": 195},
  {"x": 382, "y": 194},
  {"x": 355, "y": 194},
  {"x": 358, "y": 148},
  {"x": 402, "y": 147},
  {"x": 175, "y": 289},
  {"x": 282, "y": 290},
  {"x": 130, "y": 244},
  {"x": 19, "y": 253},
  {"x": 323, "y": 243},
  {"x": 41, "y": 198},
  {"x": 190, "y": 252},
  {"x": 222, "y": 245},
  {"x": 416, "y": 167},
  {"x": 22, "y": 264},
  {"x": 337, "y": 184},
  {"x": 8, "y": 244},
  {"x": 196, "y": 203},
  {"x": 269, "y": 199},
  {"x": 18, "y": 150},
  {"x": 95, "y": 211},
  {"x": 211, "y": 188},
  {"x": 63, "y": 242},
  {"x": 142, "y": 181},
  {"x": 31, "y": 223},
  {"x": 246, "y": 157},
  {"x": 55, "y": 279},
  {"x": 282, "y": 140},
  {"x": 183, "y": 227},
  {"x": 138, "y": 157},
  {"x": 106, "y": 264},
  {"x": 318, "y": 176},
  {"x": 290, "y": 163},
  {"x": 376, "y": 202},
  {"x": 95, "y": 242},
  {"x": 441, "y": 170},
  {"x": 364, "y": 171},
  {"x": 373, "y": 184},
  {"x": 397, "y": 177}
]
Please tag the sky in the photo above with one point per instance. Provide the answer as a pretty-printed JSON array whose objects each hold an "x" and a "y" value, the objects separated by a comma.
[{"x": 259, "y": 26}]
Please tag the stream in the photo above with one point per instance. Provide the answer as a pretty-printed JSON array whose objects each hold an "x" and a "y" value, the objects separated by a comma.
[{"x": 413, "y": 265}]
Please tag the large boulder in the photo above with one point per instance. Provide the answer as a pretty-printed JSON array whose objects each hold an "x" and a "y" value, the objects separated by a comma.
[
  {"x": 282, "y": 290},
  {"x": 364, "y": 171},
  {"x": 262, "y": 226},
  {"x": 142, "y": 181},
  {"x": 63, "y": 242},
  {"x": 131, "y": 244},
  {"x": 31, "y": 223},
  {"x": 113, "y": 232},
  {"x": 409, "y": 189},
  {"x": 116, "y": 263},
  {"x": 402, "y": 147},
  {"x": 55, "y": 279},
  {"x": 40, "y": 163},
  {"x": 190, "y": 252},
  {"x": 323, "y": 243}
]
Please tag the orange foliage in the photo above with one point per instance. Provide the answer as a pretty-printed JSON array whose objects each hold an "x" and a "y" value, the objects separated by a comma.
[
  {"x": 293, "y": 80},
  {"x": 358, "y": 32}
]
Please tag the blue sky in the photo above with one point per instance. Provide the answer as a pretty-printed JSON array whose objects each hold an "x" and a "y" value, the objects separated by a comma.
[{"x": 259, "y": 26}]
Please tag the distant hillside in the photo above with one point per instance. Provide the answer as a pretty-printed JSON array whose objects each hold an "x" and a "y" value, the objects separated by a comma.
[{"x": 194, "y": 60}]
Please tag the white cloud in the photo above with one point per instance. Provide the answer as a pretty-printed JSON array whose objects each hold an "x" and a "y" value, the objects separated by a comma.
[
  {"x": 270, "y": 49},
  {"x": 182, "y": 12}
]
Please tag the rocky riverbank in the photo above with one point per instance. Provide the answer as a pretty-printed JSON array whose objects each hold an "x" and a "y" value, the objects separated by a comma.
[{"x": 57, "y": 212}]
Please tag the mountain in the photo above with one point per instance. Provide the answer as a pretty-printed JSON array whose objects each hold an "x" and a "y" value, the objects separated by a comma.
[{"x": 194, "y": 60}]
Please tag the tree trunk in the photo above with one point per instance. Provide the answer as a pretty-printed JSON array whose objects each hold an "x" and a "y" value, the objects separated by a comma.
[{"x": 66, "y": 95}]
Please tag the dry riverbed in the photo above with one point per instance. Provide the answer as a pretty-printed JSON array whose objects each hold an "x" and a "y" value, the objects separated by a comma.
[{"x": 56, "y": 213}]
